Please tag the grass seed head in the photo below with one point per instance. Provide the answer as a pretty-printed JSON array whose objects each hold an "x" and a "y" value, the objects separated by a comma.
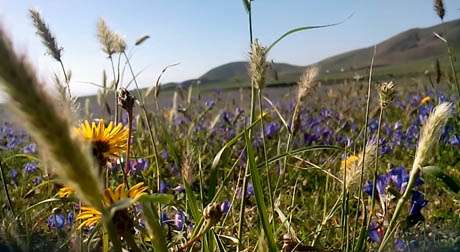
[
  {"x": 106, "y": 38},
  {"x": 45, "y": 34},
  {"x": 48, "y": 125},
  {"x": 439, "y": 8},
  {"x": 387, "y": 92},
  {"x": 353, "y": 165},
  {"x": 430, "y": 133},
  {"x": 257, "y": 65}
]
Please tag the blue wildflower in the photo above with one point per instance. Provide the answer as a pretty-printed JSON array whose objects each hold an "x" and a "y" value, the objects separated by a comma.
[
  {"x": 164, "y": 155},
  {"x": 56, "y": 221},
  {"x": 137, "y": 166},
  {"x": 30, "y": 167},
  {"x": 399, "y": 176},
  {"x": 37, "y": 180},
  {"x": 209, "y": 103},
  {"x": 417, "y": 203},
  {"x": 375, "y": 232},
  {"x": 400, "y": 245},
  {"x": 454, "y": 140},
  {"x": 179, "y": 220},
  {"x": 30, "y": 149},
  {"x": 163, "y": 187},
  {"x": 271, "y": 129},
  {"x": 14, "y": 176},
  {"x": 225, "y": 206},
  {"x": 70, "y": 218}
]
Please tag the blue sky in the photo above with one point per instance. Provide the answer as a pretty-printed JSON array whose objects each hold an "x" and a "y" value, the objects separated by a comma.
[{"x": 201, "y": 34}]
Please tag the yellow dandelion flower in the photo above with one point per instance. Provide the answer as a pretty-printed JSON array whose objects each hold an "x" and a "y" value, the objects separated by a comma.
[
  {"x": 90, "y": 216},
  {"x": 425, "y": 100},
  {"x": 107, "y": 142},
  {"x": 65, "y": 192},
  {"x": 349, "y": 162}
]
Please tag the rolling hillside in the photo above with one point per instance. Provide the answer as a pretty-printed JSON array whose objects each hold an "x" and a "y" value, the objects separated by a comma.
[{"x": 412, "y": 51}]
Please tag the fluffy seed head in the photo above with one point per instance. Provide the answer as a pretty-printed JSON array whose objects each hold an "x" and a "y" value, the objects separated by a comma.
[
  {"x": 431, "y": 132},
  {"x": 307, "y": 82},
  {"x": 387, "y": 92},
  {"x": 257, "y": 65},
  {"x": 47, "y": 124},
  {"x": 106, "y": 37},
  {"x": 439, "y": 8},
  {"x": 354, "y": 164},
  {"x": 45, "y": 34}
]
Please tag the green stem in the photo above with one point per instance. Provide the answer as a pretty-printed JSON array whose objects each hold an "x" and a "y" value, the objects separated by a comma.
[
  {"x": 376, "y": 167},
  {"x": 366, "y": 121},
  {"x": 5, "y": 187},
  {"x": 128, "y": 148},
  {"x": 245, "y": 175},
  {"x": 261, "y": 111},
  {"x": 66, "y": 78},
  {"x": 413, "y": 177},
  {"x": 147, "y": 122}
]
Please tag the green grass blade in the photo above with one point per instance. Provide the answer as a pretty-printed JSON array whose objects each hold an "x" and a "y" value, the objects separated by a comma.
[
  {"x": 152, "y": 222},
  {"x": 230, "y": 143},
  {"x": 299, "y": 29},
  {"x": 259, "y": 194}
]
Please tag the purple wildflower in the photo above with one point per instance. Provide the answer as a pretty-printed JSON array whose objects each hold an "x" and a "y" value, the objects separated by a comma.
[
  {"x": 30, "y": 148},
  {"x": 225, "y": 206},
  {"x": 375, "y": 232},
  {"x": 179, "y": 220},
  {"x": 37, "y": 180},
  {"x": 417, "y": 203},
  {"x": 271, "y": 129},
  {"x": 400, "y": 245},
  {"x": 30, "y": 167},
  {"x": 163, "y": 187},
  {"x": 56, "y": 221}
]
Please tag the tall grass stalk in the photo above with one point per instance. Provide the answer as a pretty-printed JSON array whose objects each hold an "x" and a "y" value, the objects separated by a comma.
[
  {"x": 47, "y": 124},
  {"x": 429, "y": 137},
  {"x": 248, "y": 7},
  {"x": 264, "y": 146},
  {"x": 147, "y": 122},
  {"x": 365, "y": 138}
]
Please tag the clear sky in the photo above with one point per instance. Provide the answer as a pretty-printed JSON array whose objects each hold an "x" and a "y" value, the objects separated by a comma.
[{"x": 201, "y": 34}]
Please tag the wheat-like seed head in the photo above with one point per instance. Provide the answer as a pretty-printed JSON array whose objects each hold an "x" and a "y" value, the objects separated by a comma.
[
  {"x": 387, "y": 92},
  {"x": 257, "y": 65},
  {"x": 307, "y": 82},
  {"x": 50, "y": 128},
  {"x": 119, "y": 43},
  {"x": 430, "y": 134},
  {"x": 187, "y": 169},
  {"x": 354, "y": 164},
  {"x": 439, "y": 8},
  {"x": 106, "y": 37},
  {"x": 45, "y": 34}
]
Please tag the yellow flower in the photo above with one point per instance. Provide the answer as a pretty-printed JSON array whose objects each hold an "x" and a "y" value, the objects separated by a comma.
[
  {"x": 349, "y": 162},
  {"x": 65, "y": 192},
  {"x": 91, "y": 216},
  {"x": 425, "y": 100},
  {"x": 107, "y": 142}
]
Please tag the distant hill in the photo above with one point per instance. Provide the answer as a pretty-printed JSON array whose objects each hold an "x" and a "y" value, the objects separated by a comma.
[
  {"x": 239, "y": 71},
  {"x": 407, "y": 47},
  {"x": 409, "y": 51}
]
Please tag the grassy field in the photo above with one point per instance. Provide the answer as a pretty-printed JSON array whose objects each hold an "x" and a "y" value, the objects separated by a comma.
[{"x": 313, "y": 161}]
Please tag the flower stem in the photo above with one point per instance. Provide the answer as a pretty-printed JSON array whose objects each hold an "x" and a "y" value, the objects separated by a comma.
[
  {"x": 5, "y": 187},
  {"x": 128, "y": 148}
]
